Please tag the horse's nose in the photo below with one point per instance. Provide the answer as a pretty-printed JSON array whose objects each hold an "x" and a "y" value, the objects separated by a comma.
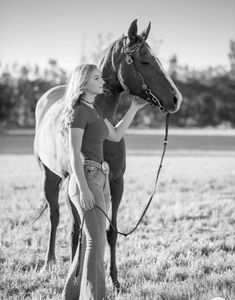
[{"x": 177, "y": 99}]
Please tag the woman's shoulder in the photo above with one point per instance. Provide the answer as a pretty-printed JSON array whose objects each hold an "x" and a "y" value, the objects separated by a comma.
[
  {"x": 80, "y": 109},
  {"x": 80, "y": 112},
  {"x": 80, "y": 117}
]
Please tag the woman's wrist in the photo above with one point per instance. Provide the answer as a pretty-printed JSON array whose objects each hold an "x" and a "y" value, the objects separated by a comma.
[
  {"x": 133, "y": 106},
  {"x": 138, "y": 102},
  {"x": 84, "y": 188}
]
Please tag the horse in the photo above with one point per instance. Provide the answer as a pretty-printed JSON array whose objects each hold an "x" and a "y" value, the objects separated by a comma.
[{"x": 127, "y": 64}]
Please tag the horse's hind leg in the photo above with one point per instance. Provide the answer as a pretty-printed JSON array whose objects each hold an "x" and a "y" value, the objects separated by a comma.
[
  {"x": 116, "y": 187},
  {"x": 51, "y": 187},
  {"x": 75, "y": 224}
]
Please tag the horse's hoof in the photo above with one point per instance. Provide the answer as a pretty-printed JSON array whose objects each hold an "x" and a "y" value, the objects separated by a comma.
[
  {"x": 48, "y": 266},
  {"x": 116, "y": 286}
]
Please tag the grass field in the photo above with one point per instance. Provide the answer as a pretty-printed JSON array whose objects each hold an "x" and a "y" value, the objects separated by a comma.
[{"x": 183, "y": 249}]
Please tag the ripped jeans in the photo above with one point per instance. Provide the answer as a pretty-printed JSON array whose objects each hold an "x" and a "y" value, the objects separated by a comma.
[{"x": 90, "y": 282}]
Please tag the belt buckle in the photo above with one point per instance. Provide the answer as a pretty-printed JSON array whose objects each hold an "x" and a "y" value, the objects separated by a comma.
[{"x": 105, "y": 167}]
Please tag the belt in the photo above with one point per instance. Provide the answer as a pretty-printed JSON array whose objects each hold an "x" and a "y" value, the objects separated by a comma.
[{"x": 104, "y": 166}]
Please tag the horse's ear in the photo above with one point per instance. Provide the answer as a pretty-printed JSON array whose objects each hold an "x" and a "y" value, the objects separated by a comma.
[
  {"x": 145, "y": 33},
  {"x": 132, "y": 31}
]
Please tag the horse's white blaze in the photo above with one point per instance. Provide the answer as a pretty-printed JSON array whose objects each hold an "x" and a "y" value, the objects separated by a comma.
[{"x": 177, "y": 92}]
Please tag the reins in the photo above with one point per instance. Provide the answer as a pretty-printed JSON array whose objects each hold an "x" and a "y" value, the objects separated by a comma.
[
  {"x": 143, "y": 213},
  {"x": 154, "y": 189}
]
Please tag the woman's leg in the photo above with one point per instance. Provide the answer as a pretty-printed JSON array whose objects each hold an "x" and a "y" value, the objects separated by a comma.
[
  {"x": 90, "y": 283},
  {"x": 101, "y": 219},
  {"x": 100, "y": 188},
  {"x": 73, "y": 284}
]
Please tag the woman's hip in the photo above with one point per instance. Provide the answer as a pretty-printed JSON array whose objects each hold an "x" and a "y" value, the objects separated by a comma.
[{"x": 97, "y": 180}]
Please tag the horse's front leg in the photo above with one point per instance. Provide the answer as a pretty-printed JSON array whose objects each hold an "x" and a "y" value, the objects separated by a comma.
[{"x": 116, "y": 187}]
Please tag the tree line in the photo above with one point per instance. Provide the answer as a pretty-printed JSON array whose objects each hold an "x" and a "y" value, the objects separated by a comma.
[{"x": 208, "y": 95}]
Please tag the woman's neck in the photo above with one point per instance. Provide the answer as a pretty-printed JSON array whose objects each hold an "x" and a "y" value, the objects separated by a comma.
[{"x": 88, "y": 100}]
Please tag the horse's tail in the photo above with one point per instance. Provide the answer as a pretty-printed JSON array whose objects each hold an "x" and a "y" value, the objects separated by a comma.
[
  {"x": 39, "y": 211},
  {"x": 44, "y": 204},
  {"x": 38, "y": 160}
]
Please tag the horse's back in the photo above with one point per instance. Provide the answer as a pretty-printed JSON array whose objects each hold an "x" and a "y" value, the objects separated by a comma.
[
  {"x": 49, "y": 145},
  {"x": 46, "y": 101}
]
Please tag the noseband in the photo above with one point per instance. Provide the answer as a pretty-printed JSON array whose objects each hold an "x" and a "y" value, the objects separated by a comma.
[{"x": 151, "y": 98}]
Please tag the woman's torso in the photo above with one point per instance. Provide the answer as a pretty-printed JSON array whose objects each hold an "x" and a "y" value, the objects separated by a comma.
[{"x": 95, "y": 132}]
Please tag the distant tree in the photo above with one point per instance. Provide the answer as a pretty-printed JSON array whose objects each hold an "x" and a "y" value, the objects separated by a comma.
[
  {"x": 231, "y": 56},
  {"x": 173, "y": 67},
  {"x": 208, "y": 95}
]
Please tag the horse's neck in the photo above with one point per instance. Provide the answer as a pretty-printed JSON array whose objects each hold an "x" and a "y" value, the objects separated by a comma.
[{"x": 109, "y": 103}]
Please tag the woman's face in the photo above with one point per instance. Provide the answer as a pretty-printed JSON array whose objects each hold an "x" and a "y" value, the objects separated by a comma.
[{"x": 95, "y": 83}]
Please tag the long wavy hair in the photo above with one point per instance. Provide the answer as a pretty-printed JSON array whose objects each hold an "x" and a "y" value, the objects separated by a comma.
[{"x": 75, "y": 89}]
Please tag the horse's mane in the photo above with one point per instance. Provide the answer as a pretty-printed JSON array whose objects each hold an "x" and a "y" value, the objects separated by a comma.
[
  {"x": 108, "y": 53},
  {"x": 106, "y": 61}
]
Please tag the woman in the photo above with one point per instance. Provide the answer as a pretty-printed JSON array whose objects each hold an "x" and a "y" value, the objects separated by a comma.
[{"x": 87, "y": 128}]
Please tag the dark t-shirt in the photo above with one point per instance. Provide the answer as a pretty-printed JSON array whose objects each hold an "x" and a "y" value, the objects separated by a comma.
[{"x": 95, "y": 131}]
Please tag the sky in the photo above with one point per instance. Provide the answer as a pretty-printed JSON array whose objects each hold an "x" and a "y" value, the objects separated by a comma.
[{"x": 197, "y": 31}]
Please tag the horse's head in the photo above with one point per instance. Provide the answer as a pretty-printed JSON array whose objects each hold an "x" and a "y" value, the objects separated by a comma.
[{"x": 140, "y": 72}]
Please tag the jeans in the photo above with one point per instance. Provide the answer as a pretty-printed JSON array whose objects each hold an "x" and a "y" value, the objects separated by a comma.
[{"x": 90, "y": 282}]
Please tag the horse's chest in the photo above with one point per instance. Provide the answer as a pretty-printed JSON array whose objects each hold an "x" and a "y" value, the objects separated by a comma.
[{"x": 115, "y": 155}]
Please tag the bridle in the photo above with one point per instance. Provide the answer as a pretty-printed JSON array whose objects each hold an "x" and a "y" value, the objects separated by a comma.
[{"x": 151, "y": 98}]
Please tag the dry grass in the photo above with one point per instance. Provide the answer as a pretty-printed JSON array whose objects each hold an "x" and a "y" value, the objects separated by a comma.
[{"x": 184, "y": 248}]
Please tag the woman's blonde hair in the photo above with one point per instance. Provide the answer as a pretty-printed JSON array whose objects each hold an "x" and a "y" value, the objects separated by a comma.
[{"x": 75, "y": 89}]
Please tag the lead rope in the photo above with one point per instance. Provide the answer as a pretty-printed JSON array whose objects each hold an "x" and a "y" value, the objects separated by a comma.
[
  {"x": 150, "y": 199},
  {"x": 154, "y": 189}
]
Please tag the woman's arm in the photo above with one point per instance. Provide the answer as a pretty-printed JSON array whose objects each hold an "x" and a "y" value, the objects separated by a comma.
[
  {"x": 75, "y": 143},
  {"x": 116, "y": 133}
]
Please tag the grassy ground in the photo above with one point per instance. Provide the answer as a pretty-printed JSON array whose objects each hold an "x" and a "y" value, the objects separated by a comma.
[{"x": 183, "y": 249}]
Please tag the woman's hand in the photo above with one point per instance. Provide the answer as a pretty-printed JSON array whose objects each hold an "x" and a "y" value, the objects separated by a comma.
[
  {"x": 138, "y": 102},
  {"x": 87, "y": 199}
]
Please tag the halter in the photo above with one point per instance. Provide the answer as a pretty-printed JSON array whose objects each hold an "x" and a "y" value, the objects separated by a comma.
[{"x": 151, "y": 98}]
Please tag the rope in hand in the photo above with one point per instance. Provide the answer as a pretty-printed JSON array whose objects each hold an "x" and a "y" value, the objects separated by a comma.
[{"x": 150, "y": 199}]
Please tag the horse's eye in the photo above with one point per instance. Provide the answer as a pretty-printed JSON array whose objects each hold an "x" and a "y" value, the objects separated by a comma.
[{"x": 145, "y": 63}]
